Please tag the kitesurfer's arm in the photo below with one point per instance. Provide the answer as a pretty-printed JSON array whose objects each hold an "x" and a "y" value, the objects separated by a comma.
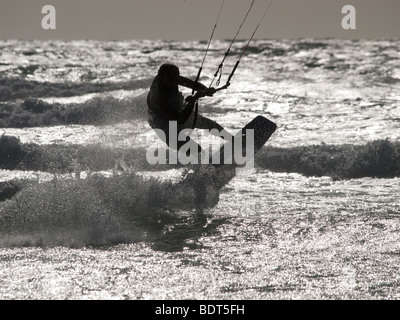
[{"x": 196, "y": 86}]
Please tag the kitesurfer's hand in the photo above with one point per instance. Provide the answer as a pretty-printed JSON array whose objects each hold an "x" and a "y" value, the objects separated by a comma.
[
  {"x": 189, "y": 98},
  {"x": 200, "y": 94},
  {"x": 210, "y": 91},
  {"x": 197, "y": 95}
]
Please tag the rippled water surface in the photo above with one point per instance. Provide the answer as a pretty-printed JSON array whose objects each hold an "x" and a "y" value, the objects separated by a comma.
[{"x": 274, "y": 234}]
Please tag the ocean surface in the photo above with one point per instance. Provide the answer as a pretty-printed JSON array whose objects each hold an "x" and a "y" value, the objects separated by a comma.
[{"x": 318, "y": 217}]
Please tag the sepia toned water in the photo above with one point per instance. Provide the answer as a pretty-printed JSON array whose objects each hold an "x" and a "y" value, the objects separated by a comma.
[{"x": 273, "y": 234}]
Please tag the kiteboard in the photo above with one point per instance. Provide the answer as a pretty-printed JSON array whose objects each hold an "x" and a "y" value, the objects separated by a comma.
[{"x": 200, "y": 188}]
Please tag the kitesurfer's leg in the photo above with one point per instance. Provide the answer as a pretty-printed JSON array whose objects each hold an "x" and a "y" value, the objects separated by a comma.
[
  {"x": 208, "y": 124},
  {"x": 164, "y": 134}
]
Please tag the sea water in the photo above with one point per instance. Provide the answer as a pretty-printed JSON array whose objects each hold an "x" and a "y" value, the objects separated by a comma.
[{"x": 73, "y": 220}]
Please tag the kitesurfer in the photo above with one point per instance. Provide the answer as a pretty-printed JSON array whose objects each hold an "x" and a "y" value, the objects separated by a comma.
[{"x": 166, "y": 103}]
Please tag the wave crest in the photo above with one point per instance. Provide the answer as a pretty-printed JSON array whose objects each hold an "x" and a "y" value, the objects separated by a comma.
[
  {"x": 96, "y": 111},
  {"x": 380, "y": 159}
]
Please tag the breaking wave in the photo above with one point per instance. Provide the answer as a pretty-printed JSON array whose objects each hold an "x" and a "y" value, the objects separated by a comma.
[
  {"x": 378, "y": 159},
  {"x": 95, "y": 211},
  {"x": 57, "y": 159},
  {"x": 127, "y": 207},
  {"x": 96, "y": 111},
  {"x": 17, "y": 88},
  {"x": 75, "y": 212}
]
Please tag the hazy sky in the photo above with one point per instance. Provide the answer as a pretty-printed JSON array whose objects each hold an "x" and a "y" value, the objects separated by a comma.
[{"x": 194, "y": 19}]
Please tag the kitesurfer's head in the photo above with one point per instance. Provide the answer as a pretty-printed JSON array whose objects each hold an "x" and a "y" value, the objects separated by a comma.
[{"x": 169, "y": 75}]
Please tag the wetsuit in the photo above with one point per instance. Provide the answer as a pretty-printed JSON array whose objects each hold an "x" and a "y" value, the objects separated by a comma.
[{"x": 168, "y": 104}]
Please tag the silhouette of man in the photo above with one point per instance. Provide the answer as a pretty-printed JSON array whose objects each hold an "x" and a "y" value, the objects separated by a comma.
[{"x": 166, "y": 103}]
